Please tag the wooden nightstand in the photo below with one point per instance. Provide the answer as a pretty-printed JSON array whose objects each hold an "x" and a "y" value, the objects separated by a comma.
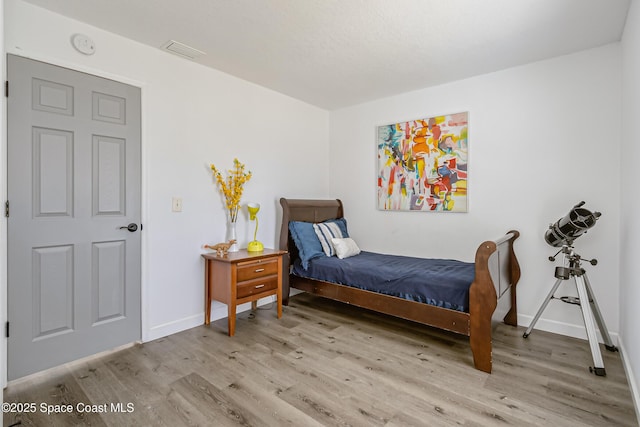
[{"x": 242, "y": 277}]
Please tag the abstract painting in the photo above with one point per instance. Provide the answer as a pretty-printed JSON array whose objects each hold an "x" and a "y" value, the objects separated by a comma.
[{"x": 422, "y": 164}]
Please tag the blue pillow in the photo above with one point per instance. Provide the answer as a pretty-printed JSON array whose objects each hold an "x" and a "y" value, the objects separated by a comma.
[{"x": 306, "y": 239}]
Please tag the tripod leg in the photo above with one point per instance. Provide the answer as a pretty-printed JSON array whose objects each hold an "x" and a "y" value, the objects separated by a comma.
[
  {"x": 608, "y": 343},
  {"x": 598, "y": 364},
  {"x": 542, "y": 307}
]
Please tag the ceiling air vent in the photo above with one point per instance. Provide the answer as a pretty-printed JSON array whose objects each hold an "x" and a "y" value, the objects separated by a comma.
[{"x": 182, "y": 49}]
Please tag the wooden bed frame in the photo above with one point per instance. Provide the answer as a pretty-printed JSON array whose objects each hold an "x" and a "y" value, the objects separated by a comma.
[{"x": 492, "y": 295}]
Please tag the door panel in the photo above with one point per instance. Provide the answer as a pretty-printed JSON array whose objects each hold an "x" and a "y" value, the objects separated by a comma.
[
  {"x": 52, "y": 172},
  {"x": 52, "y": 291},
  {"x": 109, "y": 108},
  {"x": 52, "y": 97},
  {"x": 108, "y": 175},
  {"x": 108, "y": 281},
  {"x": 73, "y": 181}
]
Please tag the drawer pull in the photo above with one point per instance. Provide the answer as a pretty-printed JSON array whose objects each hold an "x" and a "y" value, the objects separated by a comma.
[
  {"x": 259, "y": 270},
  {"x": 260, "y": 286}
]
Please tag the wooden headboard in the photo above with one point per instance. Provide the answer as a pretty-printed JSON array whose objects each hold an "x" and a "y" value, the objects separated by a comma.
[{"x": 306, "y": 210}]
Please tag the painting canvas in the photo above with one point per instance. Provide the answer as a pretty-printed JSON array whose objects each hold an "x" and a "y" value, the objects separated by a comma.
[{"x": 422, "y": 164}]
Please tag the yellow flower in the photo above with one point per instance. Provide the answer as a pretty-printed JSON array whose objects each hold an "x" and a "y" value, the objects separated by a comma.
[{"x": 232, "y": 187}]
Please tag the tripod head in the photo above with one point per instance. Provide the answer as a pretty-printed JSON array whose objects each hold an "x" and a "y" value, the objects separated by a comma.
[
  {"x": 571, "y": 256},
  {"x": 571, "y": 262}
]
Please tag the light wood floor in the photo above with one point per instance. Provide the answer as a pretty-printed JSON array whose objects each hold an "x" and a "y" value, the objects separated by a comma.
[{"x": 326, "y": 363}]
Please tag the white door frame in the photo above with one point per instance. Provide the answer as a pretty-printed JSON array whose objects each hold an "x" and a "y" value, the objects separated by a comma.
[
  {"x": 3, "y": 196},
  {"x": 3, "y": 186}
]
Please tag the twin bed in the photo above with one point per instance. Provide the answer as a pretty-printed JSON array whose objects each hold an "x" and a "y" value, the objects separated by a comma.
[{"x": 465, "y": 298}]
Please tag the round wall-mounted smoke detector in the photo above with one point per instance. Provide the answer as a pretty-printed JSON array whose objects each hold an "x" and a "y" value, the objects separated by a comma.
[{"x": 83, "y": 44}]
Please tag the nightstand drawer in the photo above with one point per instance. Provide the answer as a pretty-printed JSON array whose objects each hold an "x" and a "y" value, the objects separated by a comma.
[
  {"x": 253, "y": 270},
  {"x": 257, "y": 286}
]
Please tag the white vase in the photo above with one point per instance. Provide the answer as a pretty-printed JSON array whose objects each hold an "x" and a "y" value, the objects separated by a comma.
[{"x": 232, "y": 235}]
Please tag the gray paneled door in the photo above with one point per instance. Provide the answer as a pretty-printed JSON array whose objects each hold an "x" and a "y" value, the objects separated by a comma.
[{"x": 73, "y": 188}]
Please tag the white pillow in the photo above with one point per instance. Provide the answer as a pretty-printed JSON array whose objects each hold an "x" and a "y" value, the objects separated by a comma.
[{"x": 345, "y": 247}]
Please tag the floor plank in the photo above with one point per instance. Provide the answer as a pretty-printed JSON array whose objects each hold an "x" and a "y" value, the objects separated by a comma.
[{"x": 327, "y": 363}]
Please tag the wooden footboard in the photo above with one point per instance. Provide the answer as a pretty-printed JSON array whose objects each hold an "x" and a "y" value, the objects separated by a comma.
[
  {"x": 492, "y": 295},
  {"x": 494, "y": 286}
]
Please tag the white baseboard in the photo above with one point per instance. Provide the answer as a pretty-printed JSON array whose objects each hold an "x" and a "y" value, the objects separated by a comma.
[
  {"x": 562, "y": 328},
  {"x": 217, "y": 312},
  {"x": 631, "y": 378},
  {"x": 173, "y": 327}
]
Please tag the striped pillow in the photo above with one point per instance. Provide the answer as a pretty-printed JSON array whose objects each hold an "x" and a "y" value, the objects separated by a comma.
[{"x": 325, "y": 232}]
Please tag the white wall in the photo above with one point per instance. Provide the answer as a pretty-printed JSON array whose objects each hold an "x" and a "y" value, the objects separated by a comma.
[
  {"x": 191, "y": 115},
  {"x": 630, "y": 226},
  {"x": 542, "y": 137}
]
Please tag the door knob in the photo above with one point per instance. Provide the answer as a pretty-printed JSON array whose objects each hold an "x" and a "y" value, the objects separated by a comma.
[{"x": 131, "y": 227}]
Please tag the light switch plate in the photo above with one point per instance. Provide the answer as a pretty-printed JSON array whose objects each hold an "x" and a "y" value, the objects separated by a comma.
[{"x": 176, "y": 204}]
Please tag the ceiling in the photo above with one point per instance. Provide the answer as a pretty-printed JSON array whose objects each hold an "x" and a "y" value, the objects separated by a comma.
[{"x": 336, "y": 53}]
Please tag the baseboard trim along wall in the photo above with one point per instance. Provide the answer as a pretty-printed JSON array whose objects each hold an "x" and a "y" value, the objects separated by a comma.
[
  {"x": 562, "y": 328},
  {"x": 631, "y": 378},
  {"x": 218, "y": 311}
]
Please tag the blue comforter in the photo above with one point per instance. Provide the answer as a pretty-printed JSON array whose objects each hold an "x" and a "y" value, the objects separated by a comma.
[{"x": 440, "y": 282}]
